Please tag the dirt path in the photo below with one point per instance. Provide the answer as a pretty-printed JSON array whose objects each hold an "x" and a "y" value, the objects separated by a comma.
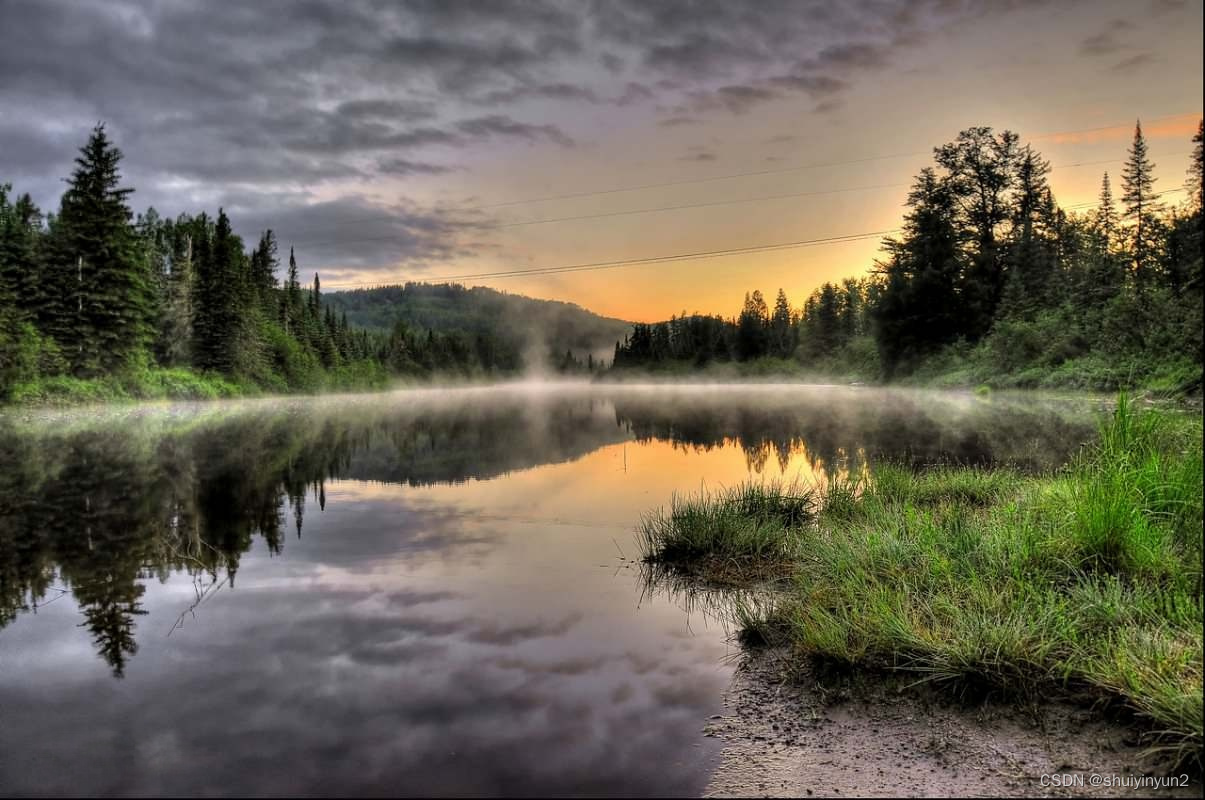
[{"x": 872, "y": 737}]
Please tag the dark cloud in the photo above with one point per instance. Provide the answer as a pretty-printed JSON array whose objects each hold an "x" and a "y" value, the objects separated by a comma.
[
  {"x": 351, "y": 235},
  {"x": 548, "y": 91},
  {"x": 1133, "y": 62},
  {"x": 735, "y": 99},
  {"x": 1107, "y": 41},
  {"x": 402, "y": 166},
  {"x": 634, "y": 92},
  {"x": 280, "y": 99},
  {"x": 678, "y": 120},
  {"x": 701, "y": 155},
  {"x": 498, "y": 125},
  {"x": 853, "y": 55},
  {"x": 814, "y": 85},
  {"x": 380, "y": 108}
]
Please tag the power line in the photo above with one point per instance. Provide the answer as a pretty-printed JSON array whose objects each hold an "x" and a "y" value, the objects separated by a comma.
[
  {"x": 752, "y": 173},
  {"x": 625, "y": 212},
  {"x": 698, "y": 255},
  {"x": 1094, "y": 203},
  {"x": 655, "y": 209},
  {"x": 601, "y": 265}
]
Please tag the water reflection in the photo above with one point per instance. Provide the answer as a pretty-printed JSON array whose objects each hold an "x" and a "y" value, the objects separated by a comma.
[
  {"x": 94, "y": 510},
  {"x": 447, "y": 616},
  {"x": 838, "y": 429}
]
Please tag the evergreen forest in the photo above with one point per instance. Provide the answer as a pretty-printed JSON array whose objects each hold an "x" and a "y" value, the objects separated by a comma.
[
  {"x": 99, "y": 304},
  {"x": 988, "y": 282}
]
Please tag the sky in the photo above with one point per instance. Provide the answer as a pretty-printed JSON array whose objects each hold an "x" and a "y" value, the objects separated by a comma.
[{"x": 437, "y": 139}]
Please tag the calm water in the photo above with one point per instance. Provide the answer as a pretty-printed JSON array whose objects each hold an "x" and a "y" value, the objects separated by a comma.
[{"x": 413, "y": 593}]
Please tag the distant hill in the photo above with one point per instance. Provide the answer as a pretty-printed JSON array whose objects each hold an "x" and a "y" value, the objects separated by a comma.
[{"x": 522, "y": 321}]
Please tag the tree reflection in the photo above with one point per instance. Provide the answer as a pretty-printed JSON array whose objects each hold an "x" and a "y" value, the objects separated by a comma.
[
  {"x": 847, "y": 431},
  {"x": 98, "y": 511},
  {"x": 101, "y": 508}
]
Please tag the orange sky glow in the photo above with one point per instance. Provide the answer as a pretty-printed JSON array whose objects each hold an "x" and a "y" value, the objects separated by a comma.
[{"x": 825, "y": 173}]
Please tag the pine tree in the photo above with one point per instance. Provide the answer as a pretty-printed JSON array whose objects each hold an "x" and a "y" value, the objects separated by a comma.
[
  {"x": 290, "y": 313},
  {"x": 922, "y": 307},
  {"x": 981, "y": 169},
  {"x": 1104, "y": 274},
  {"x": 1141, "y": 208},
  {"x": 221, "y": 326},
  {"x": 176, "y": 326},
  {"x": 753, "y": 327},
  {"x": 1196, "y": 170},
  {"x": 264, "y": 262},
  {"x": 780, "y": 326},
  {"x": 20, "y": 254},
  {"x": 1031, "y": 256},
  {"x": 1106, "y": 211},
  {"x": 106, "y": 318}
]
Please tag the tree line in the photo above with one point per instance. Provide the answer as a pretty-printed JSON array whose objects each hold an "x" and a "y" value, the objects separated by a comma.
[
  {"x": 93, "y": 291},
  {"x": 989, "y": 277}
]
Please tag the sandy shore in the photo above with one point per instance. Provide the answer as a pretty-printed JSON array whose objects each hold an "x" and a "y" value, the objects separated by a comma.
[{"x": 875, "y": 736}]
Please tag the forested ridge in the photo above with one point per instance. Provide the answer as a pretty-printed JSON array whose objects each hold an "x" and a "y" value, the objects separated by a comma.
[
  {"x": 989, "y": 282},
  {"x": 524, "y": 323},
  {"x": 98, "y": 304}
]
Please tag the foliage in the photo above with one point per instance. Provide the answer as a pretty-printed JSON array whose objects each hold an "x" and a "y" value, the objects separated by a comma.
[
  {"x": 95, "y": 306},
  {"x": 989, "y": 283},
  {"x": 1090, "y": 577}
]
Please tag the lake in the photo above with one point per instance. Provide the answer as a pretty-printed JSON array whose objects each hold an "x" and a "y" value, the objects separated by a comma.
[{"x": 426, "y": 592}]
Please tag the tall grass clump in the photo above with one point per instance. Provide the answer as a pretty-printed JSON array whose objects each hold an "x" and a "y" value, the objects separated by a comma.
[
  {"x": 750, "y": 522},
  {"x": 1089, "y": 578}
]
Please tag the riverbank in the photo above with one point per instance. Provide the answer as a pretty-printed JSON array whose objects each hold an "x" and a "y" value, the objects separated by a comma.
[
  {"x": 948, "y": 370},
  {"x": 158, "y": 383},
  {"x": 1080, "y": 586},
  {"x": 792, "y": 730}
]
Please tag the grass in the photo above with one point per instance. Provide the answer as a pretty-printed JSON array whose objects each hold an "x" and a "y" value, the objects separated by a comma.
[
  {"x": 728, "y": 536},
  {"x": 1087, "y": 581},
  {"x": 157, "y": 383},
  {"x": 748, "y": 522}
]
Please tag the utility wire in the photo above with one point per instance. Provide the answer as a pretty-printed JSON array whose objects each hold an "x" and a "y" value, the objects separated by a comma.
[
  {"x": 602, "y": 265},
  {"x": 625, "y": 212},
  {"x": 698, "y": 255},
  {"x": 796, "y": 168},
  {"x": 628, "y": 212}
]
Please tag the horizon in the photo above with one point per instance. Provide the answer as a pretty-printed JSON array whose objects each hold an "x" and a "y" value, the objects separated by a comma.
[{"x": 418, "y": 140}]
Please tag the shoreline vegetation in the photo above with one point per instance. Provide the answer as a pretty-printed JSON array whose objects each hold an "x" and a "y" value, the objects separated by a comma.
[
  {"x": 1082, "y": 584},
  {"x": 989, "y": 282}
]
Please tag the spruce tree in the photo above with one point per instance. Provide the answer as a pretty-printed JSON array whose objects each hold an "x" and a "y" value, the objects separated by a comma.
[
  {"x": 264, "y": 262},
  {"x": 1106, "y": 211},
  {"x": 1104, "y": 274},
  {"x": 1196, "y": 171},
  {"x": 107, "y": 319},
  {"x": 922, "y": 306},
  {"x": 980, "y": 173},
  {"x": 780, "y": 326},
  {"x": 176, "y": 320},
  {"x": 20, "y": 253},
  {"x": 1031, "y": 251},
  {"x": 290, "y": 314},
  {"x": 1141, "y": 209}
]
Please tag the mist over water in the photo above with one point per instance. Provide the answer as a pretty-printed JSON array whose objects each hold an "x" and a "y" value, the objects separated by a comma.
[{"x": 421, "y": 592}]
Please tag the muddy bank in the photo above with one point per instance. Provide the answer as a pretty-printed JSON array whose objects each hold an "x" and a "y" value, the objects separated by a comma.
[{"x": 801, "y": 734}]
